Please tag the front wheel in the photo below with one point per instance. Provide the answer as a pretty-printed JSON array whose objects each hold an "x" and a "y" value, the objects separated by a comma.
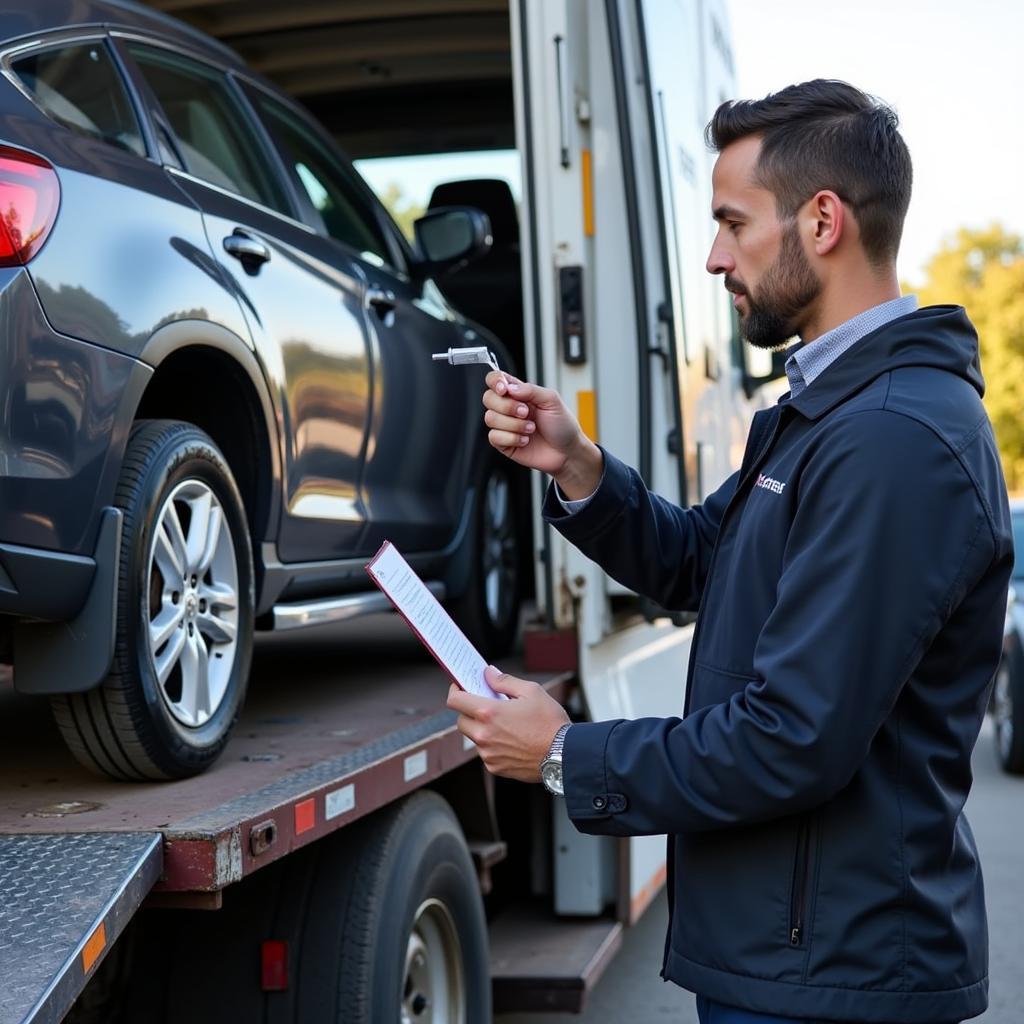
[
  {"x": 184, "y": 614},
  {"x": 488, "y": 610}
]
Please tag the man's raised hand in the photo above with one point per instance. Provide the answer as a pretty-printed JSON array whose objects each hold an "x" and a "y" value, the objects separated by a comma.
[{"x": 532, "y": 426}]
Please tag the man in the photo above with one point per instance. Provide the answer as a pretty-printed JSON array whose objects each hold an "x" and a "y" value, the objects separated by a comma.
[{"x": 851, "y": 582}]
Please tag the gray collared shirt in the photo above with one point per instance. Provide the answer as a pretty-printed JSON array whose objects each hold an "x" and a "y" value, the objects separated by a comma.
[{"x": 809, "y": 361}]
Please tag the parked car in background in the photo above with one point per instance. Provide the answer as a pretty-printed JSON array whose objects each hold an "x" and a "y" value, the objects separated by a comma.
[
  {"x": 1008, "y": 694},
  {"x": 217, "y": 392}
]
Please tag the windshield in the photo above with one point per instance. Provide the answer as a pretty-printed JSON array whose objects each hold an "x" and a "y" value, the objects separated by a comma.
[{"x": 1018, "y": 544}]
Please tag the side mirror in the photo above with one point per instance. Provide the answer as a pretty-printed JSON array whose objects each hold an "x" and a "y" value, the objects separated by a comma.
[
  {"x": 451, "y": 236},
  {"x": 761, "y": 367}
]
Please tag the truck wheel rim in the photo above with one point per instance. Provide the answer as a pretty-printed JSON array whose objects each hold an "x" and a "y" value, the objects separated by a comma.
[
  {"x": 499, "y": 549},
  {"x": 192, "y": 610},
  {"x": 434, "y": 989},
  {"x": 1003, "y": 708}
]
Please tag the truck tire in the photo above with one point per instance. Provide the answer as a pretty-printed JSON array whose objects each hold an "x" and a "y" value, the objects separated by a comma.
[
  {"x": 395, "y": 928},
  {"x": 488, "y": 610},
  {"x": 184, "y": 614},
  {"x": 1008, "y": 711}
]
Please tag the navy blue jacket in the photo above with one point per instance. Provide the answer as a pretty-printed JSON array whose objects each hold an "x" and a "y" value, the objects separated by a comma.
[{"x": 851, "y": 581}]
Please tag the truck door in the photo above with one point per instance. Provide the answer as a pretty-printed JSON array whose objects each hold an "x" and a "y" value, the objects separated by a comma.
[{"x": 611, "y": 101}]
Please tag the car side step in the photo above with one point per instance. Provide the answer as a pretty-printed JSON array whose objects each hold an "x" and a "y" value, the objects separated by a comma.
[
  {"x": 315, "y": 612},
  {"x": 64, "y": 900}
]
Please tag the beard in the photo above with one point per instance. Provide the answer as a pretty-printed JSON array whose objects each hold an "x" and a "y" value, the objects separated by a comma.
[{"x": 778, "y": 308}]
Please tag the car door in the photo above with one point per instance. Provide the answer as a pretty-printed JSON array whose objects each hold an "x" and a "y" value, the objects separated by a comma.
[
  {"x": 303, "y": 303},
  {"x": 414, "y": 481}
]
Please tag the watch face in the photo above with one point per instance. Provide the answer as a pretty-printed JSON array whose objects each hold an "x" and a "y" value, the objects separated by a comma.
[{"x": 551, "y": 776}]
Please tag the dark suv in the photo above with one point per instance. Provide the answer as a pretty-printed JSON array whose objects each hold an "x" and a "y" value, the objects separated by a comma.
[{"x": 216, "y": 391}]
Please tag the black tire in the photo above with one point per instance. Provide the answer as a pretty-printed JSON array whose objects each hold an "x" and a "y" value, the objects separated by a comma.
[
  {"x": 369, "y": 884},
  {"x": 129, "y": 727},
  {"x": 1008, "y": 711},
  {"x": 488, "y": 610}
]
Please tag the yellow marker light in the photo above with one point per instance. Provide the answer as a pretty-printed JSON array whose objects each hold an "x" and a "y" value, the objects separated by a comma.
[
  {"x": 586, "y": 413},
  {"x": 94, "y": 946},
  {"x": 587, "y": 170}
]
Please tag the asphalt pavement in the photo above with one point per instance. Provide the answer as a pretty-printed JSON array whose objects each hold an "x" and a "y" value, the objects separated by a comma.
[{"x": 632, "y": 991}]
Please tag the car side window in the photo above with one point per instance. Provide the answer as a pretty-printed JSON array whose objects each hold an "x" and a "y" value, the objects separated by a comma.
[
  {"x": 79, "y": 86},
  {"x": 346, "y": 213},
  {"x": 209, "y": 126}
]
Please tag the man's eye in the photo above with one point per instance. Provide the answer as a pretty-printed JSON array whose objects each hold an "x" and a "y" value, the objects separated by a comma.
[{"x": 734, "y": 226}]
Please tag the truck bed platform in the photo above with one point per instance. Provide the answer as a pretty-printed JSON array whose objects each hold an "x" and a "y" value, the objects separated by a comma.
[{"x": 338, "y": 722}]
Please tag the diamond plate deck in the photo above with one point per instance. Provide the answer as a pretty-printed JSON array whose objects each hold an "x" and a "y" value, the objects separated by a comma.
[{"x": 55, "y": 891}]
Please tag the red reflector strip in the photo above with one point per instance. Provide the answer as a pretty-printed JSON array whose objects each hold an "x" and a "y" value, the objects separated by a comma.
[
  {"x": 305, "y": 816},
  {"x": 274, "y": 966}
]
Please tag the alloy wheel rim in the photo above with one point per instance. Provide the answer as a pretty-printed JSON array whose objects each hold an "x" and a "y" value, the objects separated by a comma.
[
  {"x": 1003, "y": 712},
  {"x": 433, "y": 991},
  {"x": 499, "y": 549},
  {"x": 192, "y": 603}
]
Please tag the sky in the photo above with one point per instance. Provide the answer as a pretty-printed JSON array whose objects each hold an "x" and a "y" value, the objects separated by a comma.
[{"x": 953, "y": 70}]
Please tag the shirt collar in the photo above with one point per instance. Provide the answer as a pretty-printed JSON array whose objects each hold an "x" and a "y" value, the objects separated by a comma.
[{"x": 808, "y": 361}]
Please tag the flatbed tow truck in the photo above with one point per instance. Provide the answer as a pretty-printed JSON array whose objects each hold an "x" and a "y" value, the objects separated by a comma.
[
  {"x": 315, "y": 750},
  {"x": 279, "y": 886}
]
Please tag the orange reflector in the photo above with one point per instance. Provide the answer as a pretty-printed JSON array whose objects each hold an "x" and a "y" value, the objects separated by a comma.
[
  {"x": 95, "y": 945},
  {"x": 587, "y": 169},
  {"x": 305, "y": 816},
  {"x": 274, "y": 966},
  {"x": 586, "y": 413}
]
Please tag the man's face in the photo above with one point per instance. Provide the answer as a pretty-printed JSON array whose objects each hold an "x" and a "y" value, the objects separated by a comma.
[{"x": 773, "y": 284}]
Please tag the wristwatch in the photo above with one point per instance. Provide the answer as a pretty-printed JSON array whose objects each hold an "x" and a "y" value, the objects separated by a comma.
[{"x": 551, "y": 766}]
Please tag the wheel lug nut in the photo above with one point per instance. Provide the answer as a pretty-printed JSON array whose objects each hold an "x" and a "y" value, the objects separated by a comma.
[
  {"x": 202, "y": 604},
  {"x": 193, "y": 580},
  {"x": 175, "y": 597},
  {"x": 191, "y": 629}
]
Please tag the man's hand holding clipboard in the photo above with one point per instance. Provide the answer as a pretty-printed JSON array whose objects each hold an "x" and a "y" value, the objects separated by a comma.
[{"x": 512, "y": 721}]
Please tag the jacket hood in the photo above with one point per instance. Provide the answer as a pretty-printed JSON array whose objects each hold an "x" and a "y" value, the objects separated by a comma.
[{"x": 941, "y": 337}]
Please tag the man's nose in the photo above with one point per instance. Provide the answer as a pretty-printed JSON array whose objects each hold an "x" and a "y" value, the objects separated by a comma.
[{"x": 719, "y": 260}]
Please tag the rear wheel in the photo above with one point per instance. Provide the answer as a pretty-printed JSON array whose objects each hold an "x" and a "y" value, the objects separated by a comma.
[
  {"x": 1008, "y": 712},
  {"x": 184, "y": 615},
  {"x": 396, "y": 931}
]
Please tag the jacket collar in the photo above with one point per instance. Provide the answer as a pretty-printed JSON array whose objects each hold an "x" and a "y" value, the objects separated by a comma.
[{"x": 940, "y": 336}]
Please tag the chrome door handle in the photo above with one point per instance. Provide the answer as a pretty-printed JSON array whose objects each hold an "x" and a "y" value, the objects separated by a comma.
[
  {"x": 381, "y": 299},
  {"x": 249, "y": 250}
]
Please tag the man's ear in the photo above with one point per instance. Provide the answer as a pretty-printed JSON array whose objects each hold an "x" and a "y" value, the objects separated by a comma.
[{"x": 827, "y": 220}]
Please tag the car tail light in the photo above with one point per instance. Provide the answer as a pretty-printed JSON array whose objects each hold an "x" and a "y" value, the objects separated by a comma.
[{"x": 29, "y": 197}]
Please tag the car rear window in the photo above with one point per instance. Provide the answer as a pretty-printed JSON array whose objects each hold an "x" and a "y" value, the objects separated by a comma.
[
  {"x": 78, "y": 86},
  {"x": 209, "y": 126}
]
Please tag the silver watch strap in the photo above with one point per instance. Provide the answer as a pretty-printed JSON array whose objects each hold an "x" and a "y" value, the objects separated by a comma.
[{"x": 558, "y": 742}]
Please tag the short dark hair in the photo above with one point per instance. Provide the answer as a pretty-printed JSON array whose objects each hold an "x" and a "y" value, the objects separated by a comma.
[{"x": 826, "y": 134}]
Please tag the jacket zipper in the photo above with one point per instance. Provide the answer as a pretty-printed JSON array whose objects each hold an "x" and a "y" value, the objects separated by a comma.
[{"x": 798, "y": 897}]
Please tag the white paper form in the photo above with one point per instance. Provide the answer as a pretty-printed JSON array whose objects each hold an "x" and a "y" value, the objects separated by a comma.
[{"x": 430, "y": 622}]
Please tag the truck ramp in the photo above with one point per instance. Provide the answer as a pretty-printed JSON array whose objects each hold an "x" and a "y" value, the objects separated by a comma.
[{"x": 64, "y": 899}]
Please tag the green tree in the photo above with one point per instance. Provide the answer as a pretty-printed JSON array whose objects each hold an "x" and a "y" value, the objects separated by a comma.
[
  {"x": 983, "y": 271},
  {"x": 404, "y": 211}
]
